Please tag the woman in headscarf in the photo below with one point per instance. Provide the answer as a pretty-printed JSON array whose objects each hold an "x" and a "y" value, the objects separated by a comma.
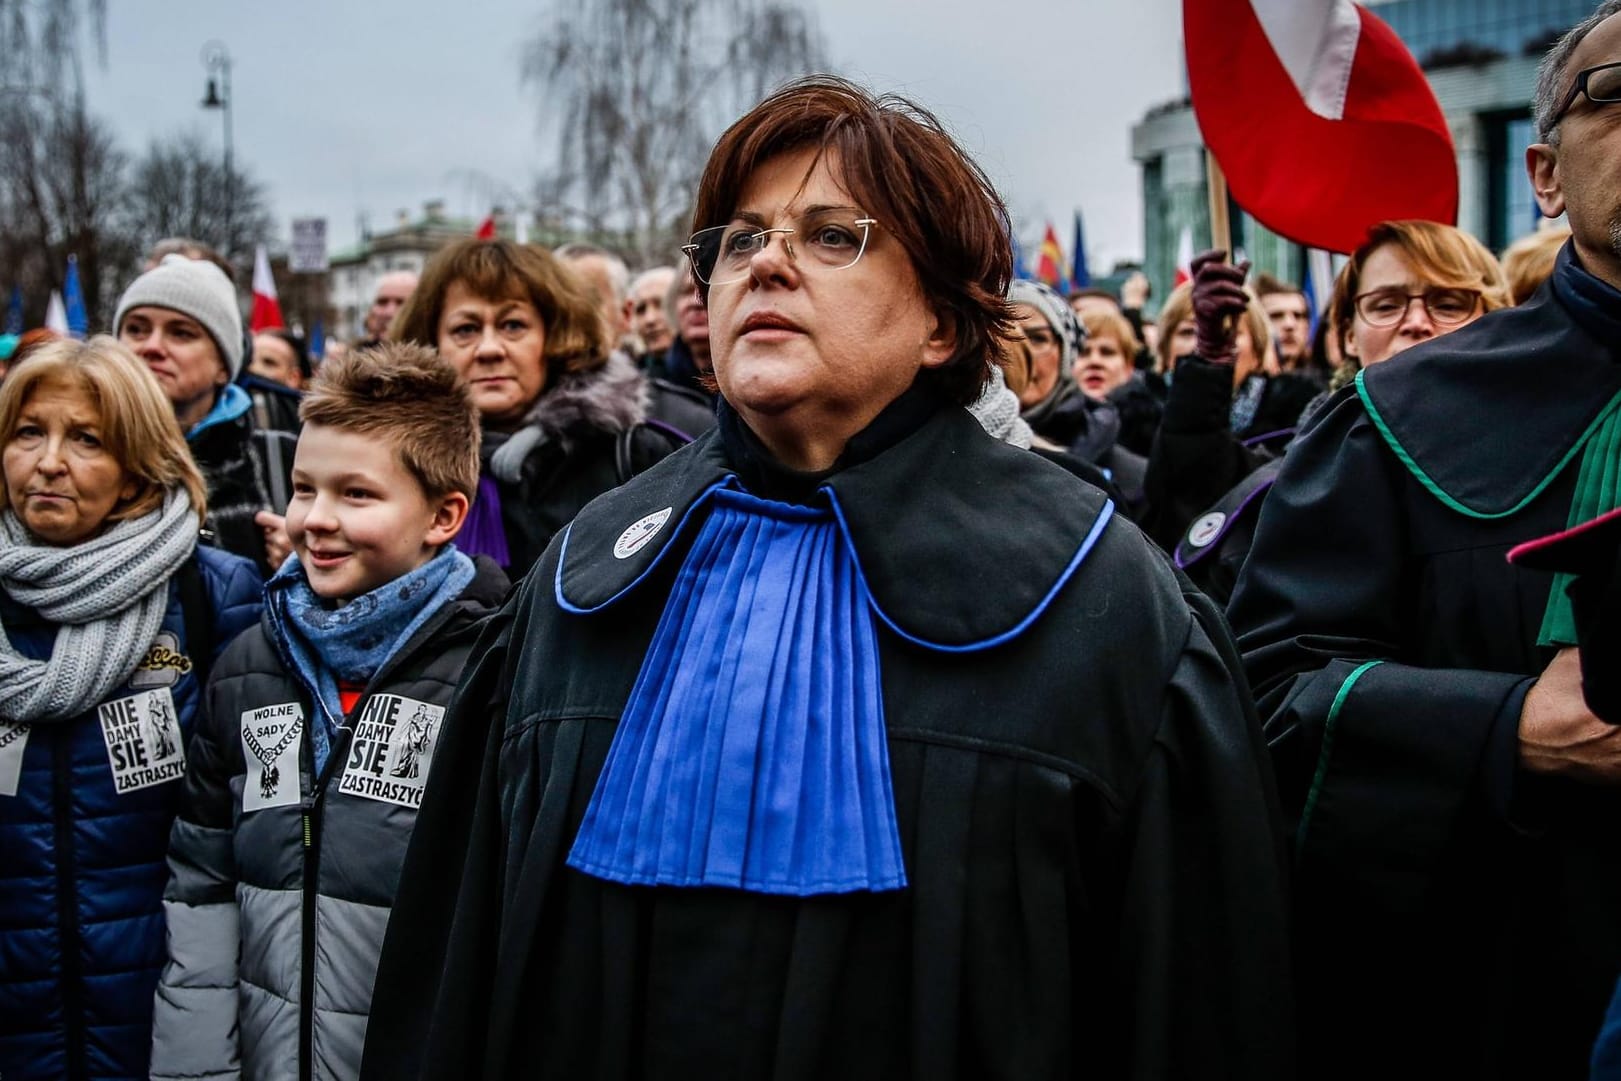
[
  {"x": 1055, "y": 407},
  {"x": 847, "y": 741},
  {"x": 112, "y": 615}
]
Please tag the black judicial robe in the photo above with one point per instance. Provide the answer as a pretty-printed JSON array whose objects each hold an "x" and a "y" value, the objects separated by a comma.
[
  {"x": 1095, "y": 863},
  {"x": 1455, "y": 917}
]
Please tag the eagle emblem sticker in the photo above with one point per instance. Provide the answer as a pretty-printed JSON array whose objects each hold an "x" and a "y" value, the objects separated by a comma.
[
  {"x": 635, "y": 538},
  {"x": 1206, "y": 529}
]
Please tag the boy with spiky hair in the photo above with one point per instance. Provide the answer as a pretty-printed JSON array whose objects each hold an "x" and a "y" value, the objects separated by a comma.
[{"x": 305, "y": 777}]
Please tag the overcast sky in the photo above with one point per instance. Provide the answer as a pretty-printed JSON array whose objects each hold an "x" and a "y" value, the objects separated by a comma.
[{"x": 346, "y": 108}]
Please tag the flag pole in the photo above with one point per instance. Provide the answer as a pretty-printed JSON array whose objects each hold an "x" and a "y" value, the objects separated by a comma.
[{"x": 1221, "y": 232}]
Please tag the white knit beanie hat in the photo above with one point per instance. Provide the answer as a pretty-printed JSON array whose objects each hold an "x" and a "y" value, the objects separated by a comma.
[{"x": 194, "y": 288}]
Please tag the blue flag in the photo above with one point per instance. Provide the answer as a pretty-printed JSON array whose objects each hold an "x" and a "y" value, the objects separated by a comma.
[
  {"x": 73, "y": 300},
  {"x": 1080, "y": 274},
  {"x": 1020, "y": 271},
  {"x": 14, "y": 311},
  {"x": 318, "y": 343}
]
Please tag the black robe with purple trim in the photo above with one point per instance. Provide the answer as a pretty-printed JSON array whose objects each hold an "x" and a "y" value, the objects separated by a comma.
[
  {"x": 1090, "y": 835},
  {"x": 1456, "y": 917}
]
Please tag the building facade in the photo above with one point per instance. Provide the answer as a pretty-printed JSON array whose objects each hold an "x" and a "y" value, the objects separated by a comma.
[{"x": 355, "y": 272}]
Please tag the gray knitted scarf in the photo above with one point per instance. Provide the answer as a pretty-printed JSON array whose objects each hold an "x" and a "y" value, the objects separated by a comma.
[{"x": 107, "y": 596}]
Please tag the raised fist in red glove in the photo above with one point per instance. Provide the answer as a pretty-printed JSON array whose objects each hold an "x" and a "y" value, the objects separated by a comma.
[{"x": 1219, "y": 300}]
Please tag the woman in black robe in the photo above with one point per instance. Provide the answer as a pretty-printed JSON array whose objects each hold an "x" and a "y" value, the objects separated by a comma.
[
  {"x": 848, "y": 741},
  {"x": 1457, "y": 891}
]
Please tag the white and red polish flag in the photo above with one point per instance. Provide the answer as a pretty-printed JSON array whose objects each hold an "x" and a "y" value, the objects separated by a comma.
[
  {"x": 266, "y": 314},
  {"x": 1320, "y": 118}
]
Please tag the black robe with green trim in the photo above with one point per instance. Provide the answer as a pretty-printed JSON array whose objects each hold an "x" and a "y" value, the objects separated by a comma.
[
  {"x": 1088, "y": 823},
  {"x": 1456, "y": 917}
]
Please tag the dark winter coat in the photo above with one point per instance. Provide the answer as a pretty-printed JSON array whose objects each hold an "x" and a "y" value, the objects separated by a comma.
[
  {"x": 1457, "y": 916},
  {"x": 1197, "y": 457},
  {"x": 82, "y": 872},
  {"x": 1094, "y": 865},
  {"x": 247, "y": 470},
  {"x": 593, "y": 439},
  {"x": 281, "y": 882},
  {"x": 1090, "y": 430}
]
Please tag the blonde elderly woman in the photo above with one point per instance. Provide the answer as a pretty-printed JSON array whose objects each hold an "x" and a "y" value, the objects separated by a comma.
[{"x": 112, "y": 614}]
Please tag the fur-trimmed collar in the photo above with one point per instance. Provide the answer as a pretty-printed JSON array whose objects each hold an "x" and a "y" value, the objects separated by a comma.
[{"x": 612, "y": 398}]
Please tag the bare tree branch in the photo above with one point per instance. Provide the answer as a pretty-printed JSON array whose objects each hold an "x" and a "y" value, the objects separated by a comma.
[{"x": 634, "y": 93}]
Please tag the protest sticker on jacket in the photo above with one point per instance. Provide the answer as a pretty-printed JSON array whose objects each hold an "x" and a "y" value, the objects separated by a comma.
[
  {"x": 270, "y": 743},
  {"x": 391, "y": 750},
  {"x": 13, "y": 742},
  {"x": 144, "y": 744}
]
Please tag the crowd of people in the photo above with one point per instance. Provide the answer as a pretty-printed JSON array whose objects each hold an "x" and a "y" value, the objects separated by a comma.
[{"x": 828, "y": 656}]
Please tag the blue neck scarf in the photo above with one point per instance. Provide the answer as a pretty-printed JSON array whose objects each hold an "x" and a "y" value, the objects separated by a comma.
[
  {"x": 323, "y": 646},
  {"x": 752, "y": 753},
  {"x": 232, "y": 402}
]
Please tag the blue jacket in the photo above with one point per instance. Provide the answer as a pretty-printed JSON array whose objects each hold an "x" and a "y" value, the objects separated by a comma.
[{"x": 83, "y": 866}]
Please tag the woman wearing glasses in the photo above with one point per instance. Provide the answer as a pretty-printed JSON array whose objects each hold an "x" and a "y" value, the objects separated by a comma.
[
  {"x": 848, "y": 741},
  {"x": 1410, "y": 281}
]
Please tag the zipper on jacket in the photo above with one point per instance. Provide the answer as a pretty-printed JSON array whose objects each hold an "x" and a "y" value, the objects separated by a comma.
[
  {"x": 306, "y": 967},
  {"x": 311, "y": 824},
  {"x": 337, "y": 752},
  {"x": 67, "y": 914}
]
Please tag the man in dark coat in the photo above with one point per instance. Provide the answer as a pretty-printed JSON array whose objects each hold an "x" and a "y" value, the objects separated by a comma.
[{"x": 1454, "y": 801}]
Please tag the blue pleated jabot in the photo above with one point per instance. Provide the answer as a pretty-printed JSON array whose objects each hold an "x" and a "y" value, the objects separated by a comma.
[{"x": 752, "y": 751}]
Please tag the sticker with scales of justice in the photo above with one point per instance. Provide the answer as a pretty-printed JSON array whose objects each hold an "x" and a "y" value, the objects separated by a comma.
[
  {"x": 144, "y": 744},
  {"x": 392, "y": 749},
  {"x": 270, "y": 744}
]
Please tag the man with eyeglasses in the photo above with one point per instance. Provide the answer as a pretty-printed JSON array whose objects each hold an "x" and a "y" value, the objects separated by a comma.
[{"x": 1456, "y": 807}]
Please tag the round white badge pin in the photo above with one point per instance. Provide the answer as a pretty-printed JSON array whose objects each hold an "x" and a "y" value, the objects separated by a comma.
[
  {"x": 639, "y": 532},
  {"x": 1206, "y": 529}
]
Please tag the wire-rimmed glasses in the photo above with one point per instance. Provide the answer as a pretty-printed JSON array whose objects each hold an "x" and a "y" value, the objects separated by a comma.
[{"x": 823, "y": 239}]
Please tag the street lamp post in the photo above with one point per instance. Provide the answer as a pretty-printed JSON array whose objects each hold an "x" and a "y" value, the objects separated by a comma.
[{"x": 217, "y": 61}]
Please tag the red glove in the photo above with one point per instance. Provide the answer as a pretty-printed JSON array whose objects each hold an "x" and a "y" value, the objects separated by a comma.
[{"x": 1219, "y": 300}]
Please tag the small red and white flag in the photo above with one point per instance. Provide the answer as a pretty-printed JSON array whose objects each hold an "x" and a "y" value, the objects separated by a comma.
[
  {"x": 486, "y": 229},
  {"x": 266, "y": 313},
  {"x": 1320, "y": 118},
  {"x": 1184, "y": 256}
]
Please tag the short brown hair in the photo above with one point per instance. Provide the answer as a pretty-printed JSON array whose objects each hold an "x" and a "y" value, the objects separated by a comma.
[
  {"x": 1444, "y": 256},
  {"x": 138, "y": 427},
  {"x": 1267, "y": 286},
  {"x": 411, "y": 397},
  {"x": 902, "y": 167},
  {"x": 496, "y": 270},
  {"x": 1529, "y": 261}
]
